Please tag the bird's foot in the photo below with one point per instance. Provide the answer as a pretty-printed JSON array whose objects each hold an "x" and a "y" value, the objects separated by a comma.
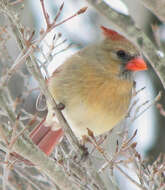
[
  {"x": 60, "y": 106},
  {"x": 85, "y": 152},
  {"x": 83, "y": 156}
]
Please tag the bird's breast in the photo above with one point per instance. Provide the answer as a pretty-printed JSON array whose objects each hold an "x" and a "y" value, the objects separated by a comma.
[
  {"x": 92, "y": 100},
  {"x": 99, "y": 107}
]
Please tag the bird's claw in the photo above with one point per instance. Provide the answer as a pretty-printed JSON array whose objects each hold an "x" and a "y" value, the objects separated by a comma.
[{"x": 60, "y": 106}]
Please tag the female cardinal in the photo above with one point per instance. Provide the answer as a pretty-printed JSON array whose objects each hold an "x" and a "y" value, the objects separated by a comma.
[{"x": 95, "y": 85}]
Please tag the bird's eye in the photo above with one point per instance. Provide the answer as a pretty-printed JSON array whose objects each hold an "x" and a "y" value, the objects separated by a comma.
[{"x": 121, "y": 54}]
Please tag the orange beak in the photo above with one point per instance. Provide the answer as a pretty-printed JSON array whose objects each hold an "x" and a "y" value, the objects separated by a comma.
[{"x": 136, "y": 64}]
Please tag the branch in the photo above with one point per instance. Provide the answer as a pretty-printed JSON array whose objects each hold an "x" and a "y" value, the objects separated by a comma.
[
  {"x": 31, "y": 180},
  {"x": 34, "y": 68},
  {"x": 26, "y": 148},
  {"x": 156, "y": 7}
]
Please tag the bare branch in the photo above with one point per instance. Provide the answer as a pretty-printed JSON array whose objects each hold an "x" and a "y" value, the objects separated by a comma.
[
  {"x": 46, "y": 15},
  {"x": 130, "y": 178},
  {"x": 156, "y": 7}
]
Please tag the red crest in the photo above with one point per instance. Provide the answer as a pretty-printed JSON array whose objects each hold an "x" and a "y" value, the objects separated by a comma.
[{"x": 113, "y": 35}]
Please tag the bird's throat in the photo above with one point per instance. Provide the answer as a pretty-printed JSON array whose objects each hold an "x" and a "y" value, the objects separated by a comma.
[{"x": 126, "y": 74}]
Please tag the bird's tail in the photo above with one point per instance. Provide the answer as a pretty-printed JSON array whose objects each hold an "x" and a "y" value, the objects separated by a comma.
[{"x": 46, "y": 138}]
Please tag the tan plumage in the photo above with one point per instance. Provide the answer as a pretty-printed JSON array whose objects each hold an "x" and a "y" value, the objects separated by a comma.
[
  {"x": 91, "y": 99},
  {"x": 95, "y": 84},
  {"x": 89, "y": 86}
]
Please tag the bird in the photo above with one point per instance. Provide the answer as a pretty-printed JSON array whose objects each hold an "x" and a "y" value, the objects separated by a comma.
[{"x": 95, "y": 85}]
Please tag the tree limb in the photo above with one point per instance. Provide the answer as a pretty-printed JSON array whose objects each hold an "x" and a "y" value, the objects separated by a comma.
[{"x": 156, "y": 7}]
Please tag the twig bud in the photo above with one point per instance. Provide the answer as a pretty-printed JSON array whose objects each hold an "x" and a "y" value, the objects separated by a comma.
[{"x": 82, "y": 10}]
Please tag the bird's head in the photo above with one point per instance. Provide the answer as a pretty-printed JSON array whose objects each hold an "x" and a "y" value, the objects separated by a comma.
[{"x": 122, "y": 51}]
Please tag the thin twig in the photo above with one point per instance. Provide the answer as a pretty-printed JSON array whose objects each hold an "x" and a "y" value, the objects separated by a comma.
[
  {"x": 58, "y": 13},
  {"x": 3, "y": 136},
  {"x": 130, "y": 178},
  {"x": 46, "y": 15},
  {"x": 15, "y": 2},
  {"x": 156, "y": 99}
]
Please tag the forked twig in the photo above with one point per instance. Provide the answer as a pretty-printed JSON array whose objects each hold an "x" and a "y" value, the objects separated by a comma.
[{"x": 30, "y": 46}]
